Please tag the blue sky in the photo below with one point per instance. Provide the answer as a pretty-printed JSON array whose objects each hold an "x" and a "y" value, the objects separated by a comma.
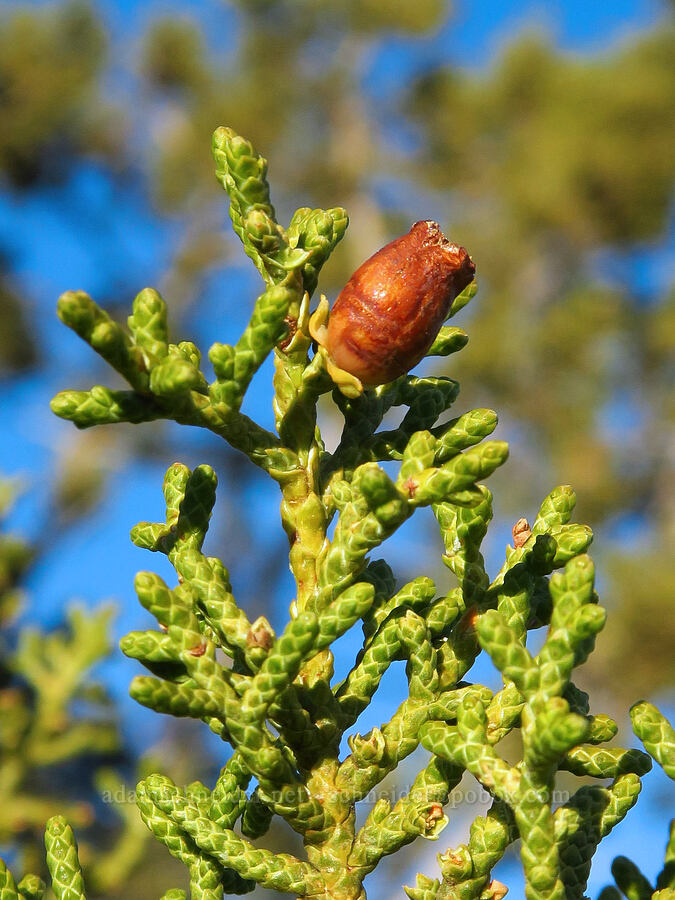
[{"x": 55, "y": 249}]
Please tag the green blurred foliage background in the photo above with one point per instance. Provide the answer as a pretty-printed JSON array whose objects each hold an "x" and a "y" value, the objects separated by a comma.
[{"x": 554, "y": 169}]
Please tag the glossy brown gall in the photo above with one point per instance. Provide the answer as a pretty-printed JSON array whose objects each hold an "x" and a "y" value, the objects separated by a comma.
[{"x": 391, "y": 309}]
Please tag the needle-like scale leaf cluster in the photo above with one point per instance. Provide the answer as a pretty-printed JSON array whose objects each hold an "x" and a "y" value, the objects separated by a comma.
[{"x": 273, "y": 698}]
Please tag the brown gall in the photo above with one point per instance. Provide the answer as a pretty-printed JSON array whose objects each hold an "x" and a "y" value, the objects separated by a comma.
[{"x": 391, "y": 309}]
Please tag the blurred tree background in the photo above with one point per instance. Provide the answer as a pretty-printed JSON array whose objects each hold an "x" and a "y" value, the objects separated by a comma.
[{"x": 554, "y": 168}]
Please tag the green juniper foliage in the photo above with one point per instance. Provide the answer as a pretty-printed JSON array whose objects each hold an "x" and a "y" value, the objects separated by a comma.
[
  {"x": 43, "y": 677},
  {"x": 274, "y": 702},
  {"x": 658, "y": 736}
]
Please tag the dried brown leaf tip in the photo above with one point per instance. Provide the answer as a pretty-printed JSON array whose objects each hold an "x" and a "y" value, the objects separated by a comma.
[
  {"x": 391, "y": 309},
  {"x": 499, "y": 890},
  {"x": 260, "y": 634},
  {"x": 434, "y": 815},
  {"x": 521, "y": 533}
]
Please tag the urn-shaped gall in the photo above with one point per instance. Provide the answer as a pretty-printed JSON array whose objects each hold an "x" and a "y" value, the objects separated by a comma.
[{"x": 391, "y": 309}]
